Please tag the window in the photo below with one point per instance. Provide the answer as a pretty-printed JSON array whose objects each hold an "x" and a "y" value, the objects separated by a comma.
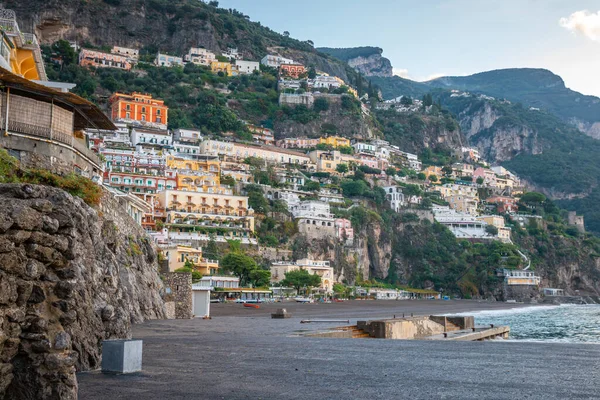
[
  {"x": 158, "y": 112},
  {"x": 127, "y": 115},
  {"x": 143, "y": 109},
  {"x": 128, "y": 107}
]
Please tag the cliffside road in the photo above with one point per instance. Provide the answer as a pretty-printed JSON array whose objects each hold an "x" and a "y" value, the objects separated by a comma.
[{"x": 260, "y": 358}]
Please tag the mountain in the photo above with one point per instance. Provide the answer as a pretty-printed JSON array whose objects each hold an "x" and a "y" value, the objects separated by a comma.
[
  {"x": 169, "y": 26},
  {"x": 538, "y": 88},
  {"x": 366, "y": 60}
]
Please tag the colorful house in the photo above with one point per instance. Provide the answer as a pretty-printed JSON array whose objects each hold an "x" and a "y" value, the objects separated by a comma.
[
  {"x": 99, "y": 59},
  {"x": 138, "y": 107},
  {"x": 292, "y": 70},
  {"x": 221, "y": 66},
  {"x": 335, "y": 141}
]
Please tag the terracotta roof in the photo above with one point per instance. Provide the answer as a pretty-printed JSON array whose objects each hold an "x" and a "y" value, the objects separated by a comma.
[{"x": 86, "y": 113}]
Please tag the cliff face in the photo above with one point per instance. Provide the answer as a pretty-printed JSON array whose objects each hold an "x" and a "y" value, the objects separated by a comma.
[
  {"x": 366, "y": 60},
  {"x": 373, "y": 65},
  {"x": 348, "y": 124},
  {"x": 70, "y": 277},
  {"x": 497, "y": 138}
]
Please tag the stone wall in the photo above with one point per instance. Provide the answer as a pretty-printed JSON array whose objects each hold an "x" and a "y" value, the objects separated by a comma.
[
  {"x": 43, "y": 154},
  {"x": 69, "y": 279},
  {"x": 178, "y": 289}
]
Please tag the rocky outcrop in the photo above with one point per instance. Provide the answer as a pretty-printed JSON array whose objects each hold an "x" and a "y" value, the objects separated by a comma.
[
  {"x": 351, "y": 125},
  {"x": 70, "y": 277},
  {"x": 373, "y": 65},
  {"x": 496, "y": 137}
]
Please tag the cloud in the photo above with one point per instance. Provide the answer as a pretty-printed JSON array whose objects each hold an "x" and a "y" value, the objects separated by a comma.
[
  {"x": 401, "y": 72},
  {"x": 584, "y": 22}
]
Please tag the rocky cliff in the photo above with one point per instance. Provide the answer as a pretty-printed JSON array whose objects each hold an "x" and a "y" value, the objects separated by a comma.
[
  {"x": 366, "y": 60},
  {"x": 351, "y": 123},
  {"x": 70, "y": 277}
]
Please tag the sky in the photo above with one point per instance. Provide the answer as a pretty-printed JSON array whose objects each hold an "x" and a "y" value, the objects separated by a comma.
[{"x": 425, "y": 39}]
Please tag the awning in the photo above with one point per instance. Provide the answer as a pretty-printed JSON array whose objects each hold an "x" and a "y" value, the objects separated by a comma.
[{"x": 86, "y": 113}]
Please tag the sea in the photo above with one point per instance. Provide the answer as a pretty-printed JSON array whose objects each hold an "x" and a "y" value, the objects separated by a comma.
[{"x": 567, "y": 323}]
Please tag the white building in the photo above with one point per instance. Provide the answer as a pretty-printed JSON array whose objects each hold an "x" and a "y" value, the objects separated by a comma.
[
  {"x": 274, "y": 61},
  {"x": 227, "y": 282},
  {"x": 321, "y": 268},
  {"x": 200, "y": 56},
  {"x": 312, "y": 209},
  {"x": 232, "y": 52},
  {"x": 145, "y": 136},
  {"x": 360, "y": 147},
  {"x": 394, "y": 195},
  {"x": 187, "y": 135},
  {"x": 462, "y": 225},
  {"x": 328, "y": 82},
  {"x": 184, "y": 148},
  {"x": 412, "y": 160},
  {"x": 247, "y": 67},
  {"x": 165, "y": 60},
  {"x": 240, "y": 151}
]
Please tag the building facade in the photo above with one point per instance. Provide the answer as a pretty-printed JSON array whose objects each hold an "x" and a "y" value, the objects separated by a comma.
[
  {"x": 99, "y": 59},
  {"x": 138, "y": 107},
  {"x": 321, "y": 268}
]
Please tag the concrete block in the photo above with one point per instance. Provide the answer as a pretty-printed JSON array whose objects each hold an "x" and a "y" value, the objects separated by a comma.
[
  {"x": 281, "y": 313},
  {"x": 121, "y": 356}
]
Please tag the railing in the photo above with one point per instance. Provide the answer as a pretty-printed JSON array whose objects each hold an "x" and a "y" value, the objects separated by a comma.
[{"x": 46, "y": 133}]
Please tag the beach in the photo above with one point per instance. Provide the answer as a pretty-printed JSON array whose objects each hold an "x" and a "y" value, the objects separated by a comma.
[{"x": 244, "y": 354}]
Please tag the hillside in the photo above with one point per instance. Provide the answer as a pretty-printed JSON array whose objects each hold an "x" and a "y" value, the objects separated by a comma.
[
  {"x": 538, "y": 88},
  {"x": 167, "y": 26}
]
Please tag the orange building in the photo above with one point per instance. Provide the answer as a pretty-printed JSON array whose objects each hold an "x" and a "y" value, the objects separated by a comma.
[
  {"x": 138, "y": 107},
  {"x": 292, "y": 70}
]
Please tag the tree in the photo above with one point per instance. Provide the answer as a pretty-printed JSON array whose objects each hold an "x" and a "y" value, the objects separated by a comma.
[
  {"x": 312, "y": 186},
  {"x": 391, "y": 171},
  {"x": 480, "y": 180},
  {"x": 300, "y": 279},
  {"x": 258, "y": 202},
  {"x": 342, "y": 168},
  {"x": 321, "y": 104},
  {"x": 286, "y": 34},
  {"x": 406, "y": 101},
  {"x": 532, "y": 198},
  {"x": 240, "y": 265},
  {"x": 421, "y": 176},
  {"x": 312, "y": 73},
  {"x": 433, "y": 178},
  {"x": 228, "y": 180},
  {"x": 211, "y": 251},
  {"x": 447, "y": 170},
  {"x": 260, "y": 277},
  {"x": 491, "y": 229},
  {"x": 427, "y": 100}
]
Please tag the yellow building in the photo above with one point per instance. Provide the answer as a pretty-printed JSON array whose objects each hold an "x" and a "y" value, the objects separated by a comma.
[
  {"x": 20, "y": 52},
  {"x": 221, "y": 66},
  {"x": 433, "y": 170},
  {"x": 498, "y": 222},
  {"x": 327, "y": 161},
  {"x": 463, "y": 204},
  {"x": 201, "y": 163},
  {"x": 202, "y": 211},
  {"x": 199, "y": 181},
  {"x": 179, "y": 255},
  {"x": 335, "y": 141}
]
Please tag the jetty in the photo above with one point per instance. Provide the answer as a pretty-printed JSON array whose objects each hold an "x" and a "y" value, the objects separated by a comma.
[{"x": 432, "y": 327}]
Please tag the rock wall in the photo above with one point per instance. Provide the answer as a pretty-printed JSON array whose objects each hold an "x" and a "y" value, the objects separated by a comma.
[
  {"x": 373, "y": 65},
  {"x": 347, "y": 125},
  {"x": 70, "y": 277}
]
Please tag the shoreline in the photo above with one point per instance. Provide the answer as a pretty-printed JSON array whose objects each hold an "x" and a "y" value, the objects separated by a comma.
[{"x": 242, "y": 353}]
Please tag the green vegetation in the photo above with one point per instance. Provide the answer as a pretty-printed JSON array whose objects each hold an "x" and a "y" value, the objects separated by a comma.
[
  {"x": 301, "y": 279},
  {"x": 11, "y": 172},
  {"x": 245, "y": 268},
  {"x": 345, "y": 54}
]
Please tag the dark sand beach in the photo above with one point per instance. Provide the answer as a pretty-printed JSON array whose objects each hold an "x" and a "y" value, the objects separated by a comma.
[{"x": 244, "y": 354}]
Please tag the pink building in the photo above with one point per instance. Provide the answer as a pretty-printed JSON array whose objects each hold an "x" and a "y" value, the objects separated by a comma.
[
  {"x": 297, "y": 143},
  {"x": 368, "y": 159},
  {"x": 343, "y": 229},
  {"x": 489, "y": 177}
]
